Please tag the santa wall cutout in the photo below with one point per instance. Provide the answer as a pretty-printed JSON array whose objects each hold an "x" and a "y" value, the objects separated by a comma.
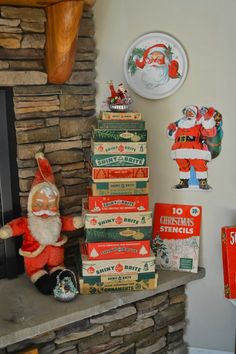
[
  {"x": 197, "y": 140},
  {"x": 43, "y": 239}
]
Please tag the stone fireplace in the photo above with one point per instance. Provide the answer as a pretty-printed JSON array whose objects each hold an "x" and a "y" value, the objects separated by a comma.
[{"x": 55, "y": 119}]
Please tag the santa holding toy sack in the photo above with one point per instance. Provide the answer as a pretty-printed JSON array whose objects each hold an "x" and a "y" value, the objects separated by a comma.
[
  {"x": 43, "y": 242},
  {"x": 190, "y": 149}
]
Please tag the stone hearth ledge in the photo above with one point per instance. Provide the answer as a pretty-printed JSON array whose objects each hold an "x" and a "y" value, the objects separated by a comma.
[{"x": 25, "y": 313}]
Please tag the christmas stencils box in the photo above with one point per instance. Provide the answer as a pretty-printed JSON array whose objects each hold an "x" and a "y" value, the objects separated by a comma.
[
  {"x": 228, "y": 241},
  {"x": 176, "y": 236}
]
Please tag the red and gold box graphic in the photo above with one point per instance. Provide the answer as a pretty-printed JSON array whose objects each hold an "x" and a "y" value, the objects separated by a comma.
[
  {"x": 228, "y": 238},
  {"x": 118, "y": 203},
  {"x": 111, "y": 250},
  {"x": 120, "y": 116},
  {"x": 119, "y": 174}
]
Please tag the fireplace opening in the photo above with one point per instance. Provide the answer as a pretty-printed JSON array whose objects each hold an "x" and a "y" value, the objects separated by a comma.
[{"x": 11, "y": 263}]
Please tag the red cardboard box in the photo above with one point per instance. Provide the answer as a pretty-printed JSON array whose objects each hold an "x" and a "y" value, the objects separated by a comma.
[
  {"x": 119, "y": 174},
  {"x": 228, "y": 238},
  {"x": 176, "y": 236},
  {"x": 117, "y": 203},
  {"x": 112, "y": 250}
]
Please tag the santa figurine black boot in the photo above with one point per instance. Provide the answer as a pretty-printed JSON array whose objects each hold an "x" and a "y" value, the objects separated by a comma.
[
  {"x": 45, "y": 284},
  {"x": 203, "y": 184},
  {"x": 183, "y": 183}
]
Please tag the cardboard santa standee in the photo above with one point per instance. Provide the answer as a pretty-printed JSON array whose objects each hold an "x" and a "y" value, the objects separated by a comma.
[
  {"x": 43, "y": 242},
  {"x": 197, "y": 140}
]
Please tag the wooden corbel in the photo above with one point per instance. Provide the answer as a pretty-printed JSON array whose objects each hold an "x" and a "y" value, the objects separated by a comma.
[{"x": 63, "y": 21}]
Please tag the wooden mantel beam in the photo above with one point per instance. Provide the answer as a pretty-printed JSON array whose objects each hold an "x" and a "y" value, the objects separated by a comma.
[
  {"x": 39, "y": 3},
  {"x": 63, "y": 20}
]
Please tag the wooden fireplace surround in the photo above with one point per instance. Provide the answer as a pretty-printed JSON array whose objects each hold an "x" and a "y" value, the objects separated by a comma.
[{"x": 63, "y": 21}]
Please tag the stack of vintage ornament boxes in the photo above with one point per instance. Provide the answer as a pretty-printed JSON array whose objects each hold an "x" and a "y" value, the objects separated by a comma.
[{"x": 118, "y": 224}]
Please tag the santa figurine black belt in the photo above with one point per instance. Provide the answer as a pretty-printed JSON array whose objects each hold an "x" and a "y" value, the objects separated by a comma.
[{"x": 184, "y": 138}]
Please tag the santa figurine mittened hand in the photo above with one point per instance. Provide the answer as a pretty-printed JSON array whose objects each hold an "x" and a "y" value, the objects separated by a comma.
[
  {"x": 78, "y": 222},
  {"x": 5, "y": 232}
]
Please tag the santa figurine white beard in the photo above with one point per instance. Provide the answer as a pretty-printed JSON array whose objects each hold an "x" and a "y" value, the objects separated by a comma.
[
  {"x": 45, "y": 230},
  {"x": 154, "y": 75}
]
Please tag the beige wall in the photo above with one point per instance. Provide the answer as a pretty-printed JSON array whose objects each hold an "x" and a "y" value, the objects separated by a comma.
[{"x": 207, "y": 31}]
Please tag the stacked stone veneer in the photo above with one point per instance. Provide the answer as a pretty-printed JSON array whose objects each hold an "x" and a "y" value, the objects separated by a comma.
[
  {"x": 55, "y": 119},
  {"x": 153, "y": 325}
]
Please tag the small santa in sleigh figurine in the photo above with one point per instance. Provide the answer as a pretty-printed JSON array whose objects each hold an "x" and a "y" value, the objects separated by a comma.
[
  {"x": 43, "y": 242},
  {"x": 119, "y": 100}
]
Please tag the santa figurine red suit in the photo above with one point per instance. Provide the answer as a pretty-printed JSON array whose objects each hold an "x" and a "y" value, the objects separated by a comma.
[
  {"x": 189, "y": 149},
  {"x": 43, "y": 241}
]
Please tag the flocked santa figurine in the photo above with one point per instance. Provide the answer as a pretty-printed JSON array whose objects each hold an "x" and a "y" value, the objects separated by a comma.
[
  {"x": 43, "y": 241},
  {"x": 189, "y": 149}
]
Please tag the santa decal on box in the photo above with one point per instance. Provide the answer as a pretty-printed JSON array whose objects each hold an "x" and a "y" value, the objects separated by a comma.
[
  {"x": 197, "y": 140},
  {"x": 43, "y": 241}
]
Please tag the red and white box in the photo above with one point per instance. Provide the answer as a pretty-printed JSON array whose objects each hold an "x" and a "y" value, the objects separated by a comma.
[
  {"x": 112, "y": 250},
  {"x": 176, "y": 236},
  {"x": 117, "y": 220},
  {"x": 118, "y": 203},
  {"x": 228, "y": 241},
  {"x": 119, "y": 174}
]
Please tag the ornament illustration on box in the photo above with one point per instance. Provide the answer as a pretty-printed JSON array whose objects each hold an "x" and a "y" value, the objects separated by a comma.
[
  {"x": 155, "y": 65},
  {"x": 197, "y": 139},
  {"x": 43, "y": 242}
]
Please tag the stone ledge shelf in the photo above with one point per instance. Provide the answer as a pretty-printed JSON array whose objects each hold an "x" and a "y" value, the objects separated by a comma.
[{"x": 25, "y": 313}]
